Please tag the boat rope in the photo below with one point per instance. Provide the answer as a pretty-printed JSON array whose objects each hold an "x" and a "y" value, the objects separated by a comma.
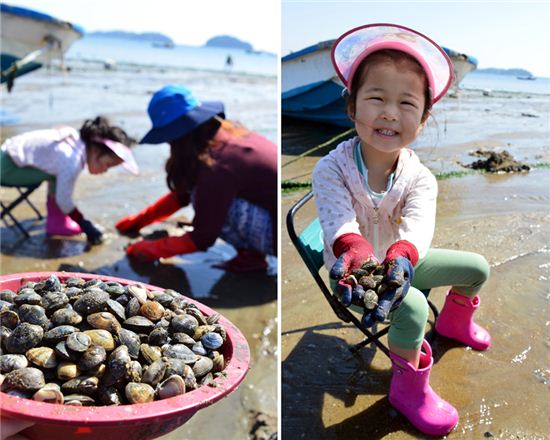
[{"x": 318, "y": 147}]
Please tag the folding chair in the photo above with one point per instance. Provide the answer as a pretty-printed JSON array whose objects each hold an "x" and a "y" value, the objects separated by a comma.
[
  {"x": 24, "y": 193},
  {"x": 310, "y": 247}
]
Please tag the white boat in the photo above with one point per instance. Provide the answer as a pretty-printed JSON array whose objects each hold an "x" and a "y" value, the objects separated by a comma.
[
  {"x": 29, "y": 37},
  {"x": 311, "y": 89}
]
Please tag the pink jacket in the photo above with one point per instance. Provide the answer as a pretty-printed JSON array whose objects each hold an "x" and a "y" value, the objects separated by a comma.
[{"x": 407, "y": 211}]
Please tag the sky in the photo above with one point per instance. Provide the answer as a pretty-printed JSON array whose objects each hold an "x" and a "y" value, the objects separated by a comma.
[
  {"x": 187, "y": 22},
  {"x": 499, "y": 34},
  {"x": 503, "y": 34}
]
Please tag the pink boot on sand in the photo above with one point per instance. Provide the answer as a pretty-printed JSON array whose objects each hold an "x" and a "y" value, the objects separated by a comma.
[
  {"x": 412, "y": 395},
  {"x": 58, "y": 223},
  {"x": 456, "y": 321}
]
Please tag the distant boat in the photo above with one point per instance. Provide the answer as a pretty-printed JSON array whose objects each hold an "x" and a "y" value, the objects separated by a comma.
[
  {"x": 164, "y": 44},
  {"x": 529, "y": 78},
  {"x": 26, "y": 36},
  {"x": 311, "y": 89}
]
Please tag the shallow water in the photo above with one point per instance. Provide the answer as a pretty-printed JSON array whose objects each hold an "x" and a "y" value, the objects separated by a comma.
[
  {"x": 249, "y": 301},
  {"x": 503, "y": 392}
]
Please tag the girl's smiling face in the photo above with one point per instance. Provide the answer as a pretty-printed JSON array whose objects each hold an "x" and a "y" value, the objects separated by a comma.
[{"x": 389, "y": 107}]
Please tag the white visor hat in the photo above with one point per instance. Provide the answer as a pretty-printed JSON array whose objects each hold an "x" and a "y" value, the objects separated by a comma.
[{"x": 355, "y": 45}]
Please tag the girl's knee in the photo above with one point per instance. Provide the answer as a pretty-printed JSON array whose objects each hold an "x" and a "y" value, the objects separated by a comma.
[
  {"x": 412, "y": 314},
  {"x": 481, "y": 268}
]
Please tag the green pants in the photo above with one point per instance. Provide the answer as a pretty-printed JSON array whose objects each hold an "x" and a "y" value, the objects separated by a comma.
[
  {"x": 465, "y": 272},
  {"x": 12, "y": 175}
]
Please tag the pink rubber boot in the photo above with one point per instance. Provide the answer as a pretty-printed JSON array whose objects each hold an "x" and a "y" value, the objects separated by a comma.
[
  {"x": 456, "y": 321},
  {"x": 412, "y": 395},
  {"x": 58, "y": 223}
]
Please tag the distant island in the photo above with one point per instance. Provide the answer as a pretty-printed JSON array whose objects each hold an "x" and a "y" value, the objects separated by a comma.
[
  {"x": 511, "y": 72},
  {"x": 151, "y": 37},
  {"x": 229, "y": 42}
]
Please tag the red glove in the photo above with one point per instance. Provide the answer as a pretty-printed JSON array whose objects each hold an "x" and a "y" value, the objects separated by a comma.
[
  {"x": 402, "y": 248},
  {"x": 158, "y": 211},
  {"x": 150, "y": 250},
  {"x": 352, "y": 251}
]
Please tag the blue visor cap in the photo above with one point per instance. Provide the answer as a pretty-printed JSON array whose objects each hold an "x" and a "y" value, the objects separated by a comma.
[{"x": 175, "y": 112}]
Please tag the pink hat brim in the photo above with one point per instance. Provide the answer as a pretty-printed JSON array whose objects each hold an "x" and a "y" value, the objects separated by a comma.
[
  {"x": 355, "y": 45},
  {"x": 122, "y": 152}
]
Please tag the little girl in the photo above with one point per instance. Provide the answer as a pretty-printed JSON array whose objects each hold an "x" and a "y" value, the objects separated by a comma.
[
  {"x": 59, "y": 155},
  {"x": 377, "y": 202}
]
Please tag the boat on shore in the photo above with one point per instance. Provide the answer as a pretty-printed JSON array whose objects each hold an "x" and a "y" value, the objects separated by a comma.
[
  {"x": 311, "y": 89},
  {"x": 27, "y": 37}
]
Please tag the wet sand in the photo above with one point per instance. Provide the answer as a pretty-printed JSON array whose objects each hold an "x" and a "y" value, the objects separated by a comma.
[
  {"x": 501, "y": 393},
  {"x": 249, "y": 301}
]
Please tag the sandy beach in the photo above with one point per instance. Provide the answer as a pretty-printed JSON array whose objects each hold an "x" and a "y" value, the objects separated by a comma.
[
  {"x": 42, "y": 100},
  {"x": 501, "y": 393}
]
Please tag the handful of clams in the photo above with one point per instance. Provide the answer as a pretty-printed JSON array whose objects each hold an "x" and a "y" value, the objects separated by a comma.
[
  {"x": 103, "y": 343},
  {"x": 370, "y": 277}
]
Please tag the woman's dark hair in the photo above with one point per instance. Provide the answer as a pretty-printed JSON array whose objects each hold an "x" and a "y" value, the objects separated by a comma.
[
  {"x": 398, "y": 58},
  {"x": 101, "y": 127},
  {"x": 187, "y": 154}
]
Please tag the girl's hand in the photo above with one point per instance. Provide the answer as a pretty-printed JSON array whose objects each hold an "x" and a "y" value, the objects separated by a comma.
[
  {"x": 399, "y": 275},
  {"x": 93, "y": 233}
]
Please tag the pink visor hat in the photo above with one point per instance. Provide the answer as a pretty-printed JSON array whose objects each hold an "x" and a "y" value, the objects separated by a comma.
[
  {"x": 355, "y": 45},
  {"x": 122, "y": 151}
]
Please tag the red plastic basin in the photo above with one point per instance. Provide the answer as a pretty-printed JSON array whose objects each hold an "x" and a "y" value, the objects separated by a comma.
[{"x": 131, "y": 422}]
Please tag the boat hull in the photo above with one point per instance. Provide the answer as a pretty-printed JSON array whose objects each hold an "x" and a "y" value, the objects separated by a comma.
[
  {"x": 312, "y": 91},
  {"x": 24, "y": 31}
]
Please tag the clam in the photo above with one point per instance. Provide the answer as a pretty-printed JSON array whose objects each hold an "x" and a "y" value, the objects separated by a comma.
[
  {"x": 91, "y": 302},
  {"x": 218, "y": 361},
  {"x": 24, "y": 337},
  {"x": 86, "y": 385},
  {"x": 159, "y": 336},
  {"x": 42, "y": 356},
  {"x": 78, "y": 341},
  {"x": 212, "y": 340},
  {"x": 152, "y": 310},
  {"x": 9, "y": 319},
  {"x": 24, "y": 379},
  {"x": 63, "y": 353},
  {"x": 92, "y": 357},
  {"x": 109, "y": 396},
  {"x": 131, "y": 340},
  {"x": 10, "y": 362},
  {"x": 184, "y": 324},
  {"x": 139, "y": 392},
  {"x": 67, "y": 371},
  {"x": 8, "y": 296},
  {"x": 179, "y": 351},
  {"x": 173, "y": 386},
  {"x": 48, "y": 395},
  {"x": 189, "y": 377},
  {"x": 59, "y": 333},
  {"x": 118, "y": 366},
  {"x": 194, "y": 311},
  {"x": 117, "y": 309},
  {"x": 183, "y": 338},
  {"x": 150, "y": 353},
  {"x": 75, "y": 282},
  {"x": 104, "y": 321},
  {"x": 66, "y": 317},
  {"x": 28, "y": 296},
  {"x": 135, "y": 372},
  {"x": 53, "y": 301},
  {"x": 132, "y": 307},
  {"x": 139, "y": 293},
  {"x": 102, "y": 338},
  {"x": 213, "y": 319},
  {"x": 139, "y": 324},
  {"x": 79, "y": 400},
  {"x": 154, "y": 373},
  {"x": 203, "y": 366},
  {"x": 370, "y": 299}
]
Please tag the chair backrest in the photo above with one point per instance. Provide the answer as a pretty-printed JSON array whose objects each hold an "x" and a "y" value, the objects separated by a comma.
[{"x": 311, "y": 245}]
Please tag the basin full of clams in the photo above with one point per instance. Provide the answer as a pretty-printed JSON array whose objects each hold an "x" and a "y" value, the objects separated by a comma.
[{"x": 90, "y": 356}]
